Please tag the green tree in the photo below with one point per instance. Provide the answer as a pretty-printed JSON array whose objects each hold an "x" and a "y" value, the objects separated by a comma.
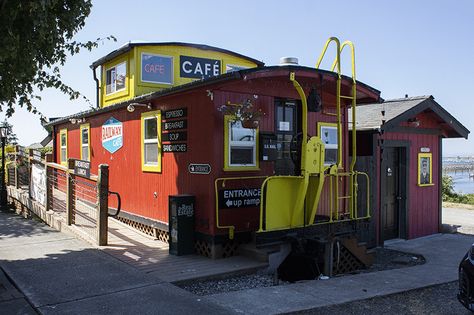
[
  {"x": 36, "y": 38},
  {"x": 11, "y": 137}
]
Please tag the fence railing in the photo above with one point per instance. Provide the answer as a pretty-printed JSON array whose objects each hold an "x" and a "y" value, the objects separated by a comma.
[{"x": 81, "y": 200}]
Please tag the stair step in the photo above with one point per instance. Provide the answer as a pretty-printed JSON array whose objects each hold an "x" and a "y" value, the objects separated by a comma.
[
  {"x": 259, "y": 254},
  {"x": 359, "y": 250}
]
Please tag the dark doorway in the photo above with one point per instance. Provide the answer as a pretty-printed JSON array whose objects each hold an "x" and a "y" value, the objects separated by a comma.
[
  {"x": 394, "y": 179},
  {"x": 286, "y": 130}
]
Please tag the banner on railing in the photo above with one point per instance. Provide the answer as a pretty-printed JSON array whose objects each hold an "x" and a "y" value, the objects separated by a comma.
[{"x": 38, "y": 183}]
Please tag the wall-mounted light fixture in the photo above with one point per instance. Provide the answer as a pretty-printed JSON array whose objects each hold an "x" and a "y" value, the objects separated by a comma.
[
  {"x": 414, "y": 122},
  {"x": 77, "y": 120},
  {"x": 131, "y": 106}
]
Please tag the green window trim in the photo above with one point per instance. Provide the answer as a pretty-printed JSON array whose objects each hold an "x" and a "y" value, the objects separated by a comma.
[
  {"x": 147, "y": 142},
  {"x": 114, "y": 84},
  {"x": 328, "y": 147},
  {"x": 63, "y": 154},
  {"x": 85, "y": 145},
  {"x": 229, "y": 144}
]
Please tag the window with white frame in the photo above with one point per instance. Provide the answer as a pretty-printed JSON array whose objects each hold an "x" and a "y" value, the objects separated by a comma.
[
  {"x": 242, "y": 145},
  {"x": 328, "y": 134},
  {"x": 85, "y": 139},
  {"x": 115, "y": 78},
  {"x": 63, "y": 146},
  {"x": 151, "y": 141}
]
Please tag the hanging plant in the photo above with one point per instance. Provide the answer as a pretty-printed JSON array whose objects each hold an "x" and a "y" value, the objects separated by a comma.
[{"x": 245, "y": 112}]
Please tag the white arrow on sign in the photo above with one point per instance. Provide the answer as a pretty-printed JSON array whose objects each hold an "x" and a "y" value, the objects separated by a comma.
[{"x": 229, "y": 203}]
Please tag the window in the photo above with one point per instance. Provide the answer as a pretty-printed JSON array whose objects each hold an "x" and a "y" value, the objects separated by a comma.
[
  {"x": 240, "y": 146},
  {"x": 115, "y": 78},
  {"x": 328, "y": 134},
  {"x": 85, "y": 142},
  {"x": 63, "y": 146},
  {"x": 151, "y": 141}
]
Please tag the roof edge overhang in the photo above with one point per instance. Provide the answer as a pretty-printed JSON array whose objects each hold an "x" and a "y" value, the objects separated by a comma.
[
  {"x": 431, "y": 104},
  {"x": 128, "y": 46},
  {"x": 226, "y": 77}
]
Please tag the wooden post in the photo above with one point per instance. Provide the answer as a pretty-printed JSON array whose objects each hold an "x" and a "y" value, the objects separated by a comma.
[
  {"x": 328, "y": 257},
  {"x": 103, "y": 204},
  {"x": 30, "y": 160},
  {"x": 70, "y": 198},
  {"x": 17, "y": 181}
]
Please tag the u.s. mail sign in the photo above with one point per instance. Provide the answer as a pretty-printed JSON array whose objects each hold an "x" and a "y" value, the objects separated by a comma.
[{"x": 112, "y": 135}]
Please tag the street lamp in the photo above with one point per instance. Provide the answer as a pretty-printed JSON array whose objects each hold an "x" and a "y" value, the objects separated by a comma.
[{"x": 3, "y": 189}]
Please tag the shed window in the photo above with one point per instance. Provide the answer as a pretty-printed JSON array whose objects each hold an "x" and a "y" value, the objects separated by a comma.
[
  {"x": 63, "y": 146},
  {"x": 240, "y": 146},
  {"x": 85, "y": 142},
  {"x": 328, "y": 134},
  {"x": 151, "y": 141},
  {"x": 115, "y": 78}
]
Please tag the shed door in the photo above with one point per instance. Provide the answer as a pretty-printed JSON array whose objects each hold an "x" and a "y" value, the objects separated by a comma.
[
  {"x": 286, "y": 131},
  {"x": 391, "y": 206}
]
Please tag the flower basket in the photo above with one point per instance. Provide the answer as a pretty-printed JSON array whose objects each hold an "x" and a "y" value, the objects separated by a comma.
[
  {"x": 250, "y": 124},
  {"x": 245, "y": 112}
]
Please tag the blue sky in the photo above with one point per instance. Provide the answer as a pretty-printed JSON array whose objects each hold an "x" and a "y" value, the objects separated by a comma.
[{"x": 402, "y": 47}]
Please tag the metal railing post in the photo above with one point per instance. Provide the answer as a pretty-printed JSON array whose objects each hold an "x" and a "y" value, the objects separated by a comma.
[
  {"x": 103, "y": 204},
  {"x": 49, "y": 185},
  {"x": 70, "y": 198}
]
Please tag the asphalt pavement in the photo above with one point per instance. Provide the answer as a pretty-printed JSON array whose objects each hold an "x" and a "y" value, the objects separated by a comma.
[
  {"x": 55, "y": 273},
  {"x": 51, "y": 272}
]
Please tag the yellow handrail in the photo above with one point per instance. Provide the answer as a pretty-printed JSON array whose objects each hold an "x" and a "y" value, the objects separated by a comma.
[
  {"x": 338, "y": 90},
  {"x": 353, "y": 97},
  {"x": 224, "y": 179}
]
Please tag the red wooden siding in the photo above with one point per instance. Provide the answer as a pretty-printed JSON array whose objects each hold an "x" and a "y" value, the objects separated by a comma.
[
  {"x": 423, "y": 205},
  {"x": 146, "y": 193}
]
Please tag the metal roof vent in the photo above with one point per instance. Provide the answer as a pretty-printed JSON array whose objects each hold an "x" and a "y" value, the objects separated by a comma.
[{"x": 288, "y": 61}]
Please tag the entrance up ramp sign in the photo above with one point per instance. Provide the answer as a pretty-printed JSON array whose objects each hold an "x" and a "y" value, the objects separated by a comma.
[
  {"x": 239, "y": 198},
  {"x": 112, "y": 135}
]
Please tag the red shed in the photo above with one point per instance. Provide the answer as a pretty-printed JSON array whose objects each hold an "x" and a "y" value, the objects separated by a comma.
[{"x": 400, "y": 142}]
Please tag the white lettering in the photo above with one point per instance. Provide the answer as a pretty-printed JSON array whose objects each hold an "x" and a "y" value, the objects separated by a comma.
[
  {"x": 207, "y": 68},
  {"x": 198, "y": 69},
  {"x": 216, "y": 70},
  {"x": 187, "y": 63}
]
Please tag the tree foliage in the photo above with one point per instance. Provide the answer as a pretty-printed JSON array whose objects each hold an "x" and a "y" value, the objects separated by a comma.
[
  {"x": 36, "y": 38},
  {"x": 11, "y": 136},
  {"x": 449, "y": 195}
]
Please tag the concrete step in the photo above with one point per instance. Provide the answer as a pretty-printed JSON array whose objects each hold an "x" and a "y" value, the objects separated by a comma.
[{"x": 273, "y": 255}]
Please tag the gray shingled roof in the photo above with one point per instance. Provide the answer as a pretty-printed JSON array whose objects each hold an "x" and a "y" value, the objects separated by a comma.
[{"x": 369, "y": 116}]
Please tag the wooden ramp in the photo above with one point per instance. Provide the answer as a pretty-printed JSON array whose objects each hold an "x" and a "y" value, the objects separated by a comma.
[{"x": 152, "y": 256}]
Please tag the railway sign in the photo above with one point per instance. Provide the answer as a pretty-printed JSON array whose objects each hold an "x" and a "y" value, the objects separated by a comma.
[
  {"x": 112, "y": 135},
  {"x": 239, "y": 198}
]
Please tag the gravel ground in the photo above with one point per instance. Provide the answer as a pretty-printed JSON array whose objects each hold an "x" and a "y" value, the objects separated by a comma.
[
  {"x": 384, "y": 259},
  {"x": 439, "y": 299}
]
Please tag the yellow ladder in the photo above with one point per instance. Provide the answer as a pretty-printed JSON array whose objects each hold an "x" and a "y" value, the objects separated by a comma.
[{"x": 353, "y": 98}]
